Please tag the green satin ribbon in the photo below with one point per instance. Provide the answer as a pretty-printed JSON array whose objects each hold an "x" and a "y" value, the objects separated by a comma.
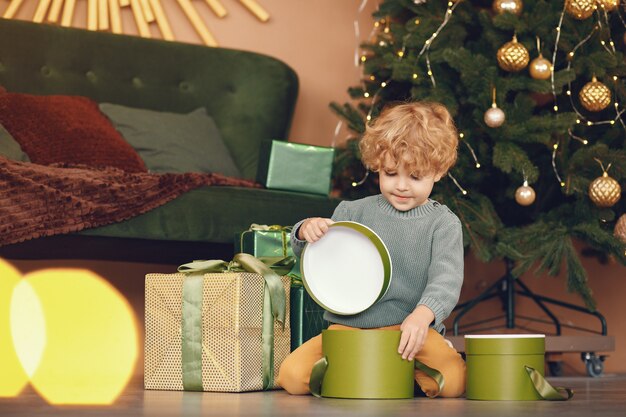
[
  {"x": 545, "y": 390},
  {"x": 431, "y": 372},
  {"x": 274, "y": 305},
  {"x": 320, "y": 367},
  {"x": 317, "y": 377},
  {"x": 192, "y": 333}
]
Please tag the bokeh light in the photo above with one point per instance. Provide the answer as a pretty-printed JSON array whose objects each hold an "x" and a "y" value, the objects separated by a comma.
[
  {"x": 13, "y": 378},
  {"x": 75, "y": 334}
]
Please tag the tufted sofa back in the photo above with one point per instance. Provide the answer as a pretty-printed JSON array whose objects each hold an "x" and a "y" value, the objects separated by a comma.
[{"x": 250, "y": 96}]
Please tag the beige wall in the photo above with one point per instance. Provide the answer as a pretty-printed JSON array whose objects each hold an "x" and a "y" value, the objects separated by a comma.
[{"x": 316, "y": 38}]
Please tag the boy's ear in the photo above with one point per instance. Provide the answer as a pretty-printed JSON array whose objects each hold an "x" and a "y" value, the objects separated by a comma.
[{"x": 438, "y": 177}]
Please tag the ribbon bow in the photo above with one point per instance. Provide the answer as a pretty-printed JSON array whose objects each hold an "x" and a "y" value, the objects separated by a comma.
[
  {"x": 274, "y": 227},
  {"x": 269, "y": 267}
]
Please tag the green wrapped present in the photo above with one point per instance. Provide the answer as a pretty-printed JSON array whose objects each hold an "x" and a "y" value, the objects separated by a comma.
[
  {"x": 217, "y": 326},
  {"x": 295, "y": 167},
  {"x": 307, "y": 318},
  {"x": 267, "y": 241}
]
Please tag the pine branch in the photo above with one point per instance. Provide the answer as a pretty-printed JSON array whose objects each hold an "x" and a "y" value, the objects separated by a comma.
[
  {"x": 480, "y": 222},
  {"x": 600, "y": 239},
  {"x": 351, "y": 115},
  {"x": 509, "y": 157},
  {"x": 577, "y": 276}
]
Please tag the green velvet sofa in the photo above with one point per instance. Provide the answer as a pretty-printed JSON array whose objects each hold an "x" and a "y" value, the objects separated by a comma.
[{"x": 250, "y": 96}]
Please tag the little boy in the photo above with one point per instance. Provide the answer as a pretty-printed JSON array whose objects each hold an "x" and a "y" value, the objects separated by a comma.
[{"x": 411, "y": 146}]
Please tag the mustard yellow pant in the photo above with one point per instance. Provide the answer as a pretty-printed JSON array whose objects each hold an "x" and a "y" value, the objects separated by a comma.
[{"x": 295, "y": 371}]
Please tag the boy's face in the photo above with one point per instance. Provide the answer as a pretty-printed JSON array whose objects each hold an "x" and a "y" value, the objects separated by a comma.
[{"x": 402, "y": 190}]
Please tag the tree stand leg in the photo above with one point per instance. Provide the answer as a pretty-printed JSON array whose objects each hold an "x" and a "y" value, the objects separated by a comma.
[{"x": 506, "y": 288}]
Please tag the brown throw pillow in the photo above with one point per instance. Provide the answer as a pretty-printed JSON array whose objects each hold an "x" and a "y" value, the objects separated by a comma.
[{"x": 66, "y": 129}]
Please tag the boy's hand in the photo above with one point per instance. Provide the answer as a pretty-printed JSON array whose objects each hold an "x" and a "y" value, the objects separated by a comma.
[
  {"x": 414, "y": 331},
  {"x": 313, "y": 229}
]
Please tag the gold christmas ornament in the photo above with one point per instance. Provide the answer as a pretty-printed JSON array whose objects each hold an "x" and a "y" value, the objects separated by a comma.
[
  {"x": 540, "y": 68},
  {"x": 595, "y": 96},
  {"x": 620, "y": 228},
  {"x": 494, "y": 117},
  {"x": 580, "y": 9},
  {"x": 511, "y": 6},
  {"x": 525, "y": 195},
  {"x": 604, "y": 191},
  {"x": 608, "y": 5},
  {"x": 513, "y": 56}
]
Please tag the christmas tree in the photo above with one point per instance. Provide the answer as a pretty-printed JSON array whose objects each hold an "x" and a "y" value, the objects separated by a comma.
[{"x": 537, "y": 91}]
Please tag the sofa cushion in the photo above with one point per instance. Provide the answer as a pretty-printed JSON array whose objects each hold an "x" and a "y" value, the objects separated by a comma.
[
  {"x": 172, "y": 142},
  {"x": 66, "y": 129},
  {"x": 10, "y": 148}
]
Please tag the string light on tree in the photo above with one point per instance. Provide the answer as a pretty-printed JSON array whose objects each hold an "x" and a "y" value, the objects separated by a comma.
[
  {"x": 580, "y": 9},
  {"x": 463, "y": 190},
  {"x": 473, "y": 153},
  {"x": 494, "y": 117},
  {"x": 510, "y": 6},
  {"x": 385, "y": 38},
  {"x": 513, "y": 56},
  {"x": 604, "y": 191},
  {"x": 427, "y": 44},
  {"x": 578, "y": 138},
  {"x": 595, "y": 96},
  {"x": 555, "y": 149}
]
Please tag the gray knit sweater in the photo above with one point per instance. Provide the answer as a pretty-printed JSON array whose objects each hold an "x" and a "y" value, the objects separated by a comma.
[{"x": 426, "y": 248}]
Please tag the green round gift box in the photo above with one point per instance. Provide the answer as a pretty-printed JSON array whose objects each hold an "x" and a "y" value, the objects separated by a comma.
[
  {"x": 496, "y": 366},
  {"x": 365, "y": 364}
]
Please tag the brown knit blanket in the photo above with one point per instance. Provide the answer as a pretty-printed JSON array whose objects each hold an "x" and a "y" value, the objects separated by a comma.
[{"x": 38, "y": 200}]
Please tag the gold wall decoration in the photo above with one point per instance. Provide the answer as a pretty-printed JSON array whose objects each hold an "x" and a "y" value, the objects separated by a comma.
[{"x": 105, "y": 15}]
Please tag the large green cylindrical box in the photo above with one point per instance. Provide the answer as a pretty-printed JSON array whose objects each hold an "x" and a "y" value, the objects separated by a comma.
[
  {"x": 365, "y": 364},
  {"x": 495, "y": 366}
]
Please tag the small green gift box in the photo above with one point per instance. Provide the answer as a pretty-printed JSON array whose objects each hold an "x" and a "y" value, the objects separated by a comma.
[
  {"x": 508, "y": 367},
  {"x": 295, "y": 167},
  {"x": 266, "y": 241},
  {"x": 307, "y": 318}
]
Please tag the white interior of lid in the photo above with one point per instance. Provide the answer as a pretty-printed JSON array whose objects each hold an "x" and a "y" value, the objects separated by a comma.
[
  {"x": 344, "y": 270},
  {"x": 502, "y": 336}
]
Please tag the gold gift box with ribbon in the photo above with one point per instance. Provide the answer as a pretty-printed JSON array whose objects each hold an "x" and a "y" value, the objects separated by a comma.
[{"x": 215, "y": 326}]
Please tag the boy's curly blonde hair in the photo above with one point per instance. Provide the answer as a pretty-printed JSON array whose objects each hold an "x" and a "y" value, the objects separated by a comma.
[{"x": 419, "y": 135}]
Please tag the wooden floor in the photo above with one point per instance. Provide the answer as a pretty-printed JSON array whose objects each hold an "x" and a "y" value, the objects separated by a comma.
[{"x": 594, "y": 397}]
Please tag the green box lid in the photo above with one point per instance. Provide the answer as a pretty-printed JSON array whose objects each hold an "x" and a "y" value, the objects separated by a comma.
[{"x": 505, "y": 344}]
